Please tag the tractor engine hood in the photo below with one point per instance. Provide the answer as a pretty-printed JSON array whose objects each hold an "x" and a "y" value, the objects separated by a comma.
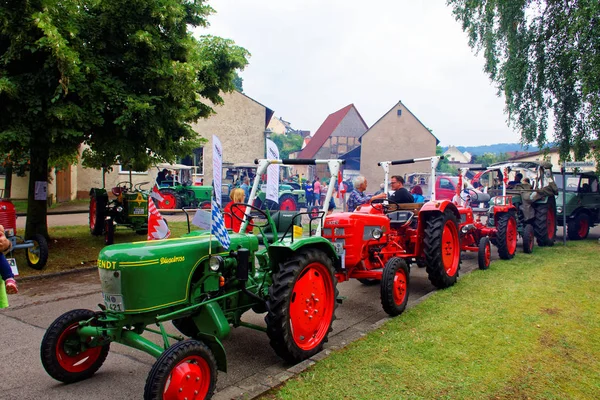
[{"x": 145, "y": 276}]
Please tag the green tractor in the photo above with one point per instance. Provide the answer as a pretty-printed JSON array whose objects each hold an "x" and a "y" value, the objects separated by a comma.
[
  {"x": 129, "y": 209},
  {"x": 581, "y": 205},
  {"x": 180, "y": 191},
  {"x": 204, "y": 289}
]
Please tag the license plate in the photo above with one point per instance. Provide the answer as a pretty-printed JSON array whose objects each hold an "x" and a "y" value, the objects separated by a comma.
[
  {"x": 13, "y": 266},
  {"x": 114, "y": 302},
  {"x": 138, "y": 211}
]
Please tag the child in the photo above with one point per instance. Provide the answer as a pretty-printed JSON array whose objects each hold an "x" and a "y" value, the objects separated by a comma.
[{"x": 8, "y": 284}]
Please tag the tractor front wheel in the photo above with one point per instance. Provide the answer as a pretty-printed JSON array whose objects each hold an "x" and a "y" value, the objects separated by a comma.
[
  {"x": 97, "y": 213},
  {"x": 394, "y": 286},
  {"x": 579, "y": 227},
  {"x": 302, "y": 302},
  {"x": 442, "y": 249},
  {"x": 484, "y": 255},
  {"x": 528, "y": 239},
  {"x": 65, "y": 356},
  {"x": 186, "y": 370},
  {"x": 506, "y": 237},
  {"x": 37, "y": 256},
  {"x": 545, "y": 223}
]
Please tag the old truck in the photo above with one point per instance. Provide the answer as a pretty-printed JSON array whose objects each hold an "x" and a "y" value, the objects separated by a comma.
[{"x": 582, "y": 204}]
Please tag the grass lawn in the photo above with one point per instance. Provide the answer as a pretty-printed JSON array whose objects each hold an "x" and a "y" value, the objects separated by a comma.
[{"x": 526, "y": 328}]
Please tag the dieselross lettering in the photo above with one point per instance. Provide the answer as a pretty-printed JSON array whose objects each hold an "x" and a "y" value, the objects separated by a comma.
[{"x": 170, "y": 260}]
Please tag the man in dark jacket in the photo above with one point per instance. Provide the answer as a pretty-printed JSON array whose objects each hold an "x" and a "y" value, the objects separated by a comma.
[{"x": 400, "y": 194}]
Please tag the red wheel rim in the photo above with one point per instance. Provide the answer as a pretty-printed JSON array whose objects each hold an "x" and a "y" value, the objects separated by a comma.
[
  {"x": 314, "y": 212},
  {"x": 168, "y": 202},
  {"x": 311, "y": 306},
  {"x": 205, "y": 206},
  {"x": 511, "y": 235},
  {"x": 488, "y": 254},
  {"x": 551, "y": 223},
  {"x": 190, "y": 379},
  {"x": 69, "y": 353},
  {"x": 583, "y": 228},
  {"x": 93, "y": 206},
  {"x": 399, "y": 287},
  {"x": 288, "y": 205},
  {"x": 450, "y": 248}
]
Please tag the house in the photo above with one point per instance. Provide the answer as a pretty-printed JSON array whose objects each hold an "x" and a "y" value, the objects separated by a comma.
[
  {"x": 337, "y": 135},
  {"x": 278, "y": 125},
  {"x": 397, "y": 135},
  {"x": 551, "y": 155},
  {"x": 454, "y": 155}
]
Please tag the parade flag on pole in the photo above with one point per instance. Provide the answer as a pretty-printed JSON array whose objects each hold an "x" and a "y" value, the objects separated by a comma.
[
  {"x": 155, "y": 194},
  {"x": 272, "y": 172},
  {"x": 218, "y": 226},
  {"x": 157, "y": 226},
  {"x": 217, "y": 168},
  {"x": 340, "y": 185}
]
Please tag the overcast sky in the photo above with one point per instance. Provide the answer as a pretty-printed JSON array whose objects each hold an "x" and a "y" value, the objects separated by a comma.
[{"x": 312, "y": 57}]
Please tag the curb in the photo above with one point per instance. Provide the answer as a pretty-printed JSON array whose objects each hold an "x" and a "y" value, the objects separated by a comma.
[
  {"x": 66, "y": 212},
  {"x": 54, "y": 274}
]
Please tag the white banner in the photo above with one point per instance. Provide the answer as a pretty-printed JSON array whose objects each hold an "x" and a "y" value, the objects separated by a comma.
[
  {"x": 272, "y": 172},
  {"x": 217, "y": 168}
]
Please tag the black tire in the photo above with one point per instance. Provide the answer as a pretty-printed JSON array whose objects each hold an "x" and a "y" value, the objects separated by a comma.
[
  {"x": 171, "y": 200},
  {"x": 484, "y": 255},
  {"x": 545, "y": 223},
  {"x": 369, "y": 282},
  {"x": 439, "y": 252},
  {"x": 395, "y": 286},
  {"x": 186, "y": 326},
  {"x": 506, "y": 235},
  {"x": 292, "y": 295},
  {"x": 528, "y": 239},
  {"x": 578, "y": 228},
  {"x": 421, "y": 263},
  {"x": 37, "y": 256},
  {"x": 109, "y": 231},
  {"x": 201, "y": 376},
  {"x": 97, "y": 213},
  {"x": 74, "y": 364},
  {"x": 288, "y": 202}
]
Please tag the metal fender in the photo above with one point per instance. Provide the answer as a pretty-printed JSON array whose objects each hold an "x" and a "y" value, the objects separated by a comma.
[
  {"x": 440, "y": 206},
  {"x": 279, "y": 252},
  {"x": 217, "y": 349}
]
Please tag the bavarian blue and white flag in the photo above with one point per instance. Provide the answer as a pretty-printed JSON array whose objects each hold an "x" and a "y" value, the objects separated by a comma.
[{"x": 217, "y": 226}]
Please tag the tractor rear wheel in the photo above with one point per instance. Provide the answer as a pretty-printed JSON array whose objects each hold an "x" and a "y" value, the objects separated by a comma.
[
  {"x": 37, "y": 256},
  {"x": 170, "y": 201},
  {"x": 484, "y": 255},
  {"x": 442, "y": 249},
  {"x": 545, "y": 223},
  {"x": 506, "y": 236},
  {"x": 528, "y": 239},
  {"x": 65, "y": 356},
  {"x": 579, "y": 227},
  {"x": 109, "y": 231},
  {"x": 97, "y": 213},
  {"x": 394, "y": 286},
  {"x": 188, "y": 369},
  {"x": 302, "y": 302},
  {"x": 287, "y": 202}
]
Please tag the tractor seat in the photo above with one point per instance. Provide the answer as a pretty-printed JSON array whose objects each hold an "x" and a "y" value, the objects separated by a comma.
[
  {"x": 398, "y": 219},
  {"x": 412, "y": 207},
  {"x": 283, "y": 221}
]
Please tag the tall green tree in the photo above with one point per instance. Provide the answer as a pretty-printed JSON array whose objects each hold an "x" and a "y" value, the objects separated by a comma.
[
  {"x": 544, "y": 55},
  {"x": 124, "y": 77},
  {"x": 287, "y": 143}
]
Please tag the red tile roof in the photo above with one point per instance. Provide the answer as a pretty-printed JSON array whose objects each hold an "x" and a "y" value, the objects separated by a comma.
[{"x": 325, "y": 131}]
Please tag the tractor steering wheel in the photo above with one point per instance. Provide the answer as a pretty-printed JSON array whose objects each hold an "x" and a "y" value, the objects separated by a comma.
[
  {"x": 242, "y": 210},
  {"x": 384, "y": 205},
  {"x": 138, "y": 186},
  {"x": 126, "y": 185}
]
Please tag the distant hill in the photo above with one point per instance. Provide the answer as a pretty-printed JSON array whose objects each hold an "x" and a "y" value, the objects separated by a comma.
[{"x": 496, "y": 148}]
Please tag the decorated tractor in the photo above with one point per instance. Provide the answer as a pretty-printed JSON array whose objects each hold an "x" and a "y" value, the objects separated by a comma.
[
  {"x": 378, "y": 241},
  {"x": 203, "y": 288},
  {"x": 36, "y": 246},
  {"x": 128, "y": 209},
  {"x": 180, "y": 191},
  {"x": 533, "y": 197}
]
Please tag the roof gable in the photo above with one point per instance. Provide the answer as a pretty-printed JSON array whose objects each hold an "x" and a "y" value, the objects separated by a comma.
[{"x": 437, "y": 141}]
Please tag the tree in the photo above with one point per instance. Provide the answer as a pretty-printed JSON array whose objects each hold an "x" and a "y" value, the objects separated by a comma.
[
  {"x": 443, "y": 164},
  {"x": 287, "y": 143},
  {"x": 488, "y": 159},
  {"x": 544, "y": 55},
  {"x": 238, "y": 82},
  {"x": 125, "y": 78}
]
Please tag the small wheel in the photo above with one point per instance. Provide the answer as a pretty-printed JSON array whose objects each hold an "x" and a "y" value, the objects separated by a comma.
[
  {"x": 369, "y": 282},
  {"x": 579, "y": 227},
  {"x": 528, "y": 239},
  {"x": 287, "y": 202},
  {"x": 109, "y": 231},
  {"x": 484, "y": 255},
  {"x": 506, "y": 236},
  {"x": 170, "y": 201},
  {"x": 186, "y": 370},
  {"x": 97, "y": 213},
  {"x": 441, "y": 246},
  {"x": 394, "y": 286},
  {"x": 65, "y": 356},
  {"x": 37, "y": 256}
]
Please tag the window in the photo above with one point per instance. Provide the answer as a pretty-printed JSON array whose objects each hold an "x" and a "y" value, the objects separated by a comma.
[
  {"x": 124, "y": 170},
  {"x": 446, "y": 184}
]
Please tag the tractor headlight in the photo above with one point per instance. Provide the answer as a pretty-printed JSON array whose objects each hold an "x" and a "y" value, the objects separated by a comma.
[
  {"x": 376, "y": 233},
  {"x": 215, "y": 263},
  {"x": 559, "y": 210}
]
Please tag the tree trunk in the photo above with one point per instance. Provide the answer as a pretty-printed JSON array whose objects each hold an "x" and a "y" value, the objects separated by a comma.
[
  {"x": 37, "y": 209},
  {"x": 8, "y": 181}
]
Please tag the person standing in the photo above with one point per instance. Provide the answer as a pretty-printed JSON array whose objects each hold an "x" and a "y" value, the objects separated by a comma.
[
  {"x": 308, "y": 191},
  {"x": 246, "y": 187},
  {"x": 358, "y": 197},
  {"x": 400, "y": 195},
  {"x": 317, "y": 192}
]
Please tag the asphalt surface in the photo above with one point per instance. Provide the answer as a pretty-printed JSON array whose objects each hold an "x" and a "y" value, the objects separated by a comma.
[{"x": 253, "y": 367}]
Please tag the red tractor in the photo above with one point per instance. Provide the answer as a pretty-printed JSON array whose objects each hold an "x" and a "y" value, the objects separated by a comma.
[{"x": 379, "y": 241}]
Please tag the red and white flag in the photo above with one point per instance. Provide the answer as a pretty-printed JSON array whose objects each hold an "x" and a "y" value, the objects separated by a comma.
[
  {"x": 341, "y": 189},
  {"x": 155, "y": 194},
  {"x": 157, "y": 226}
]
